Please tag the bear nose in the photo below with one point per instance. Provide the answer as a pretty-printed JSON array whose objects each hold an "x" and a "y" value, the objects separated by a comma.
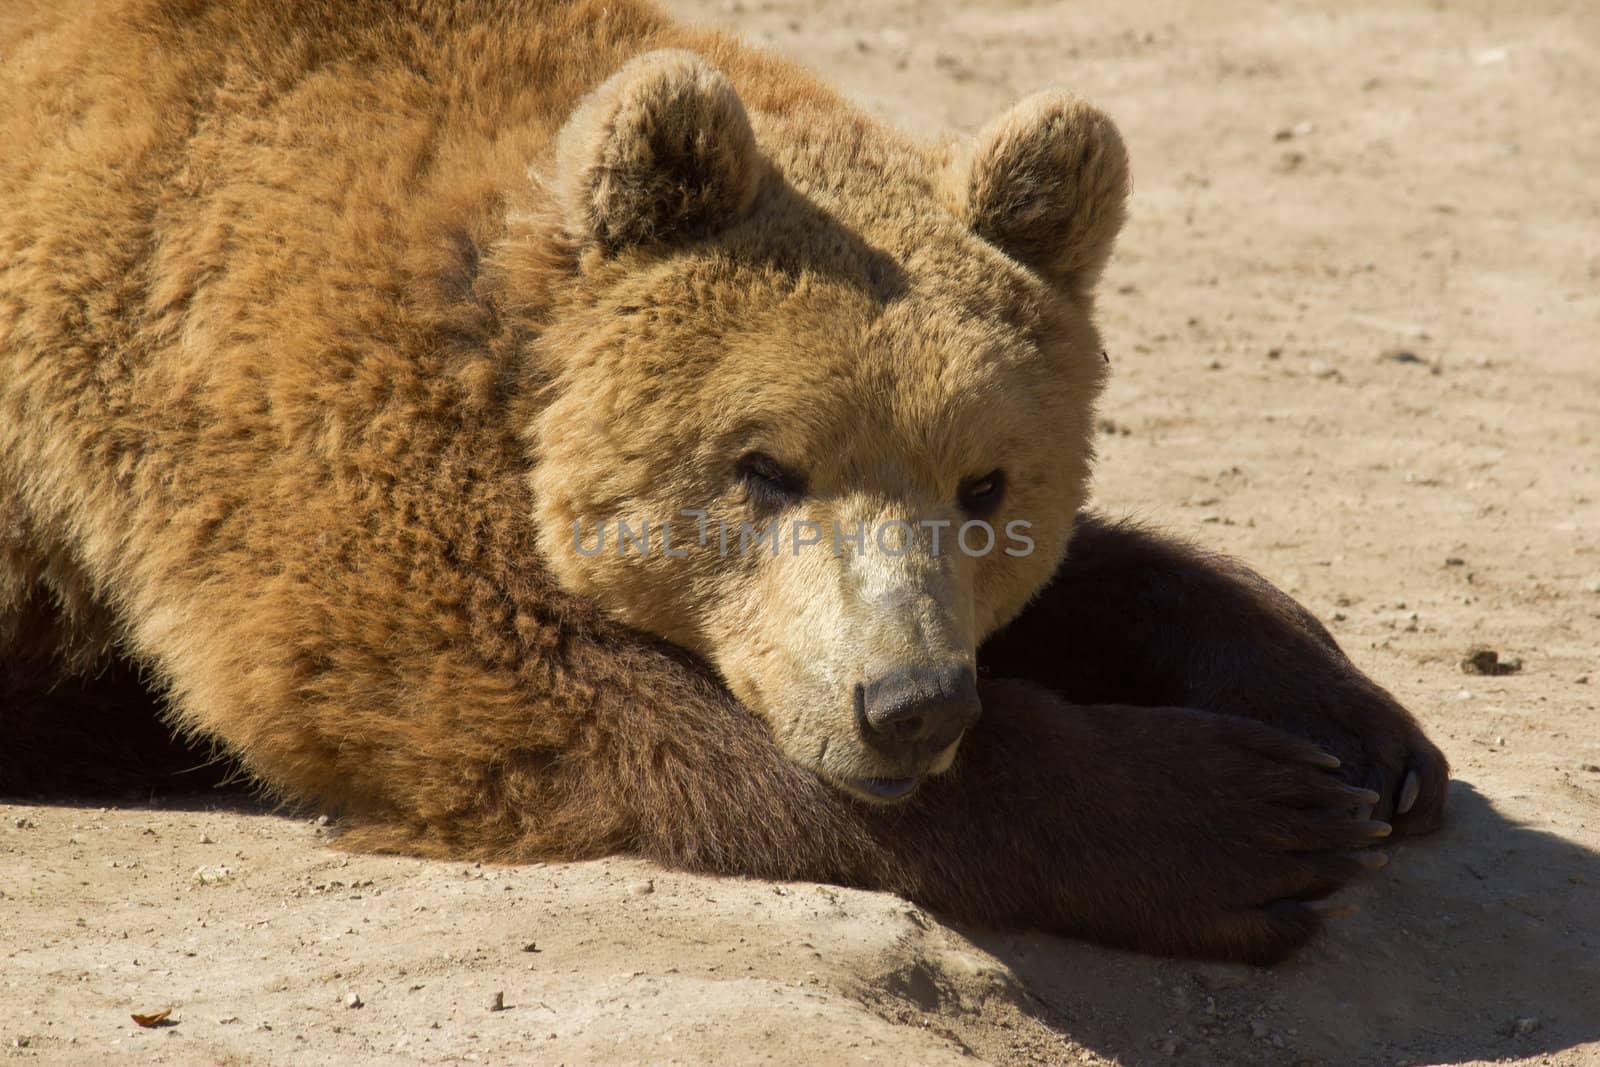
[{"x": 925, "y": 707}]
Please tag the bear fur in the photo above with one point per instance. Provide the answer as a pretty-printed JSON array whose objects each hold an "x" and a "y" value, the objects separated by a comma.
[{"x": 321, "y": 323}]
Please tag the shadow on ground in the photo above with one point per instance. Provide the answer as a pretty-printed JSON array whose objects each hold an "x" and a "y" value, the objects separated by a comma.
[{"x": 1479, "y": 943}]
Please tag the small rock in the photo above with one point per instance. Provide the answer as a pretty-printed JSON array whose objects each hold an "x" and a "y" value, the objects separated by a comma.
[
  {"x": 642, "y": 889},
  {"x": 24, "y": 824},
  {"x": 497, "y": 1002},
  {"x": 1454, "y": 561},
  {"x": 1527, "y": 1026},
  {"x": 1592, "y": 585},
  {"x": 205, "y": 838},
  {"x": 1221, "y": 976},
  {"x": 1401, "y": 355},
  {"x": 1320, "y": 369},
  {"x": 1487, "y": 661},
  {"x": 353, "y": 1000},
  {"x": 213, "y": 875},
  {"x": 1592, "y": 768},
  {"x": 320, "y": 820},
  {"x": 1258, "y": 1028},
  {"x": 531, "y": 946},
  {"x": 227, "y": 1020},
  {"x": 1500, "y": 742}
]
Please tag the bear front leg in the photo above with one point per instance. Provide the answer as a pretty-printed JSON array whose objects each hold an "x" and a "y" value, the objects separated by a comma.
[
  {"x": 1172, "y": 830},
  {"x": 1167, "y": 830},
  {"x": 1134, "y": 618}
]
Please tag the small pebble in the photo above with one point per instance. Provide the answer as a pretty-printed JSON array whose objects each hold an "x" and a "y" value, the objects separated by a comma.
[
  {"x": 24, "y": 824},
  {"x": 1320, "y": 369},
  {"x": 1488, "y": 662},
  {"x": 205, "y": 838},
  {"x": 353, "y": 1000},
  {"x": 213, "y": 875},
  {"x": 642, "y": 889},
  {"x": 1219, "y": 977},
  {"x": 1527, "y": 1026},
  {"x": 498, "y": 1002}
]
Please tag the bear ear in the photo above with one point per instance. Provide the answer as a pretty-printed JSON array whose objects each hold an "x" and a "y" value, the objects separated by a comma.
[
  {"x": 661, "y": 152},
  {"x": 1047, "y": 183}
]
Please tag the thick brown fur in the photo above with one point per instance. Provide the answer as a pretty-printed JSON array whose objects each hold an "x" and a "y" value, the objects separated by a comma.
[{"x": 311, "y": 318}]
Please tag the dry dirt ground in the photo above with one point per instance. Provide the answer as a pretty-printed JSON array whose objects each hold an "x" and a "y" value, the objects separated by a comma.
[{"x": 1353, "y": 327}]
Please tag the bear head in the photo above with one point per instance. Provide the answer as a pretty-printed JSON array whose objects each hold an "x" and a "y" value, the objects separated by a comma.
[{"x": 815, "y": 400}]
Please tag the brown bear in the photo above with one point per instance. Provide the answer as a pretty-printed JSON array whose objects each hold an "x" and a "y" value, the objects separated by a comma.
[{"x": 463, "y": 412}]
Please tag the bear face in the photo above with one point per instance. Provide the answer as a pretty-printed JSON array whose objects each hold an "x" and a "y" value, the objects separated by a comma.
[{"x": 819, "y": 410}]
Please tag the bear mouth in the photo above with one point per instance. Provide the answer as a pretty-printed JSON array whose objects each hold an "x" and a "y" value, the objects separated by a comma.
[{"x": 884, "y": 790}]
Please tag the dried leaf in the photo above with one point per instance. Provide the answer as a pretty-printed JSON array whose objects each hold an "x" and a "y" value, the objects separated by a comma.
[{"x": 154, "y": 1019}]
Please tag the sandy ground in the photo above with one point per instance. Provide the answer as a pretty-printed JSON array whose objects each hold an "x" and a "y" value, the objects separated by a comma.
[{"x": 1353, "y": 326}]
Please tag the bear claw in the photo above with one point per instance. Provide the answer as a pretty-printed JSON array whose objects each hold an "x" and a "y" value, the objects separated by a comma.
[
  {"x": 1331, "y": 909},
  {"x": 1367, "y": 797},
  {"x": 1408, "y": 792}
]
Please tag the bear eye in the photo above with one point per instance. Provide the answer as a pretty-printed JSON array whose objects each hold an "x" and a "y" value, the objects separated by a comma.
[
  {"x": 770, "y": 484},
  {"x": 980, "y": 497}
]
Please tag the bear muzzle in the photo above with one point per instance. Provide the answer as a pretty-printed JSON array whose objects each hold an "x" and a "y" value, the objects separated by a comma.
[{"x": 914, "y": 716}]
